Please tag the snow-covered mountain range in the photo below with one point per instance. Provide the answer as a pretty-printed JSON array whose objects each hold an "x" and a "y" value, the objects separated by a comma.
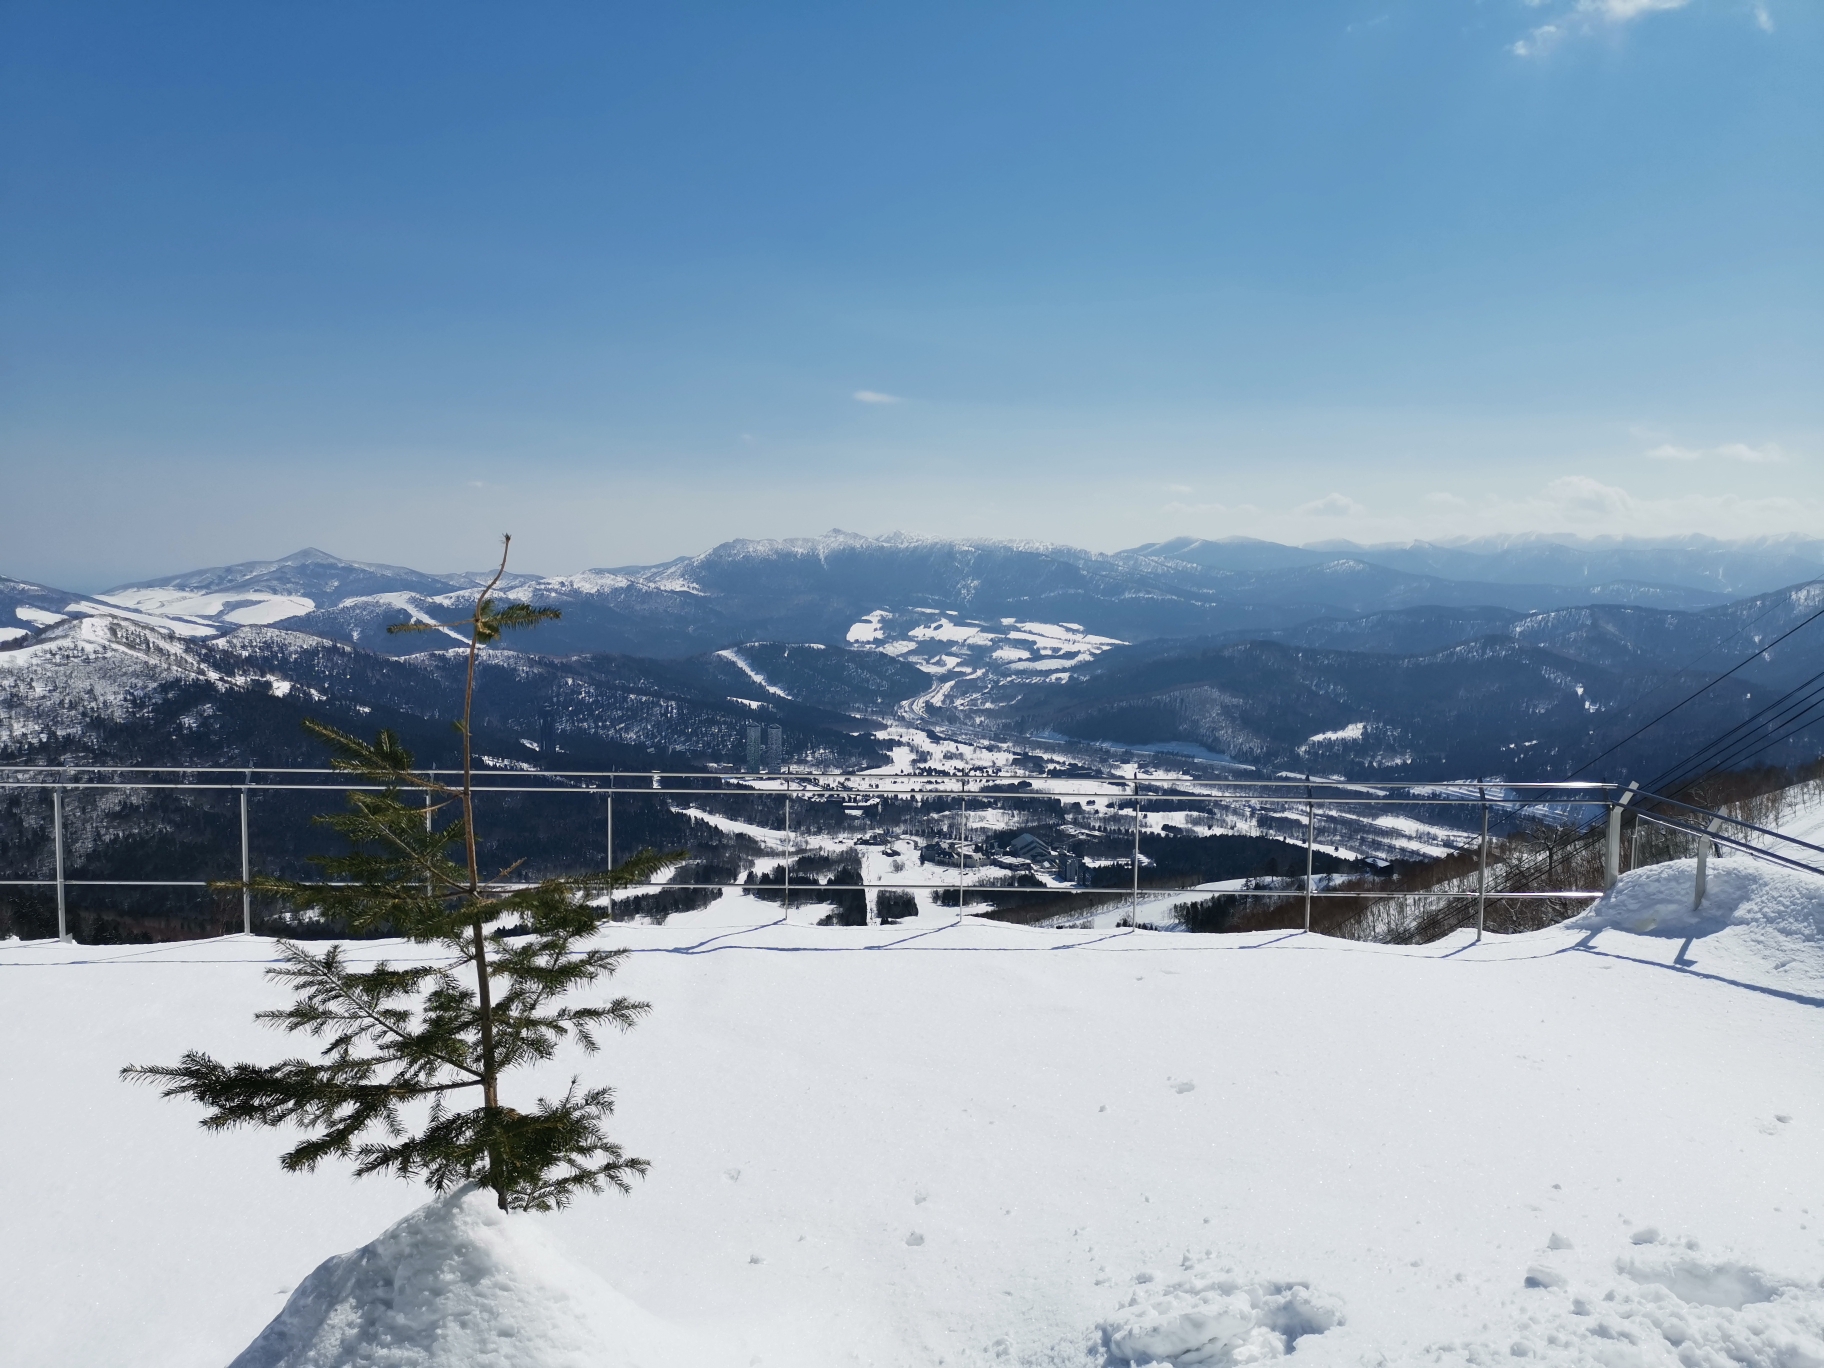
[
  {"x": 817, "y": 589},
  {"x": 1277, "y": 657}
]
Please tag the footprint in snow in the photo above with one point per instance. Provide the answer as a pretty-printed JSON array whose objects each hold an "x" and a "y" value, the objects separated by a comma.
[{"x": 1184, "y": 1086}]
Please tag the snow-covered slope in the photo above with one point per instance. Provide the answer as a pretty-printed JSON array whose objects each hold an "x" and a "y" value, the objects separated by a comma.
[
  {"x": 90, "y": 669},
  {"x": 973, "y": 1144}
]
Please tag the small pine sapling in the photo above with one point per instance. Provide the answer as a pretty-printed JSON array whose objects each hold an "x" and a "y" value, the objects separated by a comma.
[{"x": 401, "y": 1044}]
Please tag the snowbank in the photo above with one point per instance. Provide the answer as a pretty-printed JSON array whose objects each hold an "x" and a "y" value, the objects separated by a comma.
[
  {"x": 1762, "y": 915},
  {"x": 455, "y": 1284}
]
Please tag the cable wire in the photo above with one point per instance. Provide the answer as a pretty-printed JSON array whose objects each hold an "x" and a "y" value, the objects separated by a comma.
[
  {"x": 1781, "y": 598},
  {"x": 1795, "y": 719},
  {"x": 1740, "y": 664}
]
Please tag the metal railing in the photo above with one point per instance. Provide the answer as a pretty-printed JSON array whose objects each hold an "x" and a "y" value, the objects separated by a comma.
[{"x": 1566, "y": 806}]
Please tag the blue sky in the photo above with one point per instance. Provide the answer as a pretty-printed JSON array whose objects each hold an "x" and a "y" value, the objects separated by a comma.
[{"x": 629, "y": 280}]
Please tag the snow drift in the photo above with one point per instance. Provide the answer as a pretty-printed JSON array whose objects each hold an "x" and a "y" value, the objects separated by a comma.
[
  {"x": 1759, "y": 913},
  {"x": 1209, "y": 1319},
  {"x": 455, "y": 1284}
]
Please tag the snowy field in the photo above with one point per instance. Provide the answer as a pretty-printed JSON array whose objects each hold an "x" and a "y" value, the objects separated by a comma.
[{"x": 963, "y": 1143}]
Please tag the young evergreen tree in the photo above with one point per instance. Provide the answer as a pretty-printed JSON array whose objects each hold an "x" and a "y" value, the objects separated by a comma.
[{"x": 403, "y": 1045}]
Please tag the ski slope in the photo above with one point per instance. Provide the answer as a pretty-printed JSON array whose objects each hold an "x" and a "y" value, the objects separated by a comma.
[{"x": 957, "y": 1142}]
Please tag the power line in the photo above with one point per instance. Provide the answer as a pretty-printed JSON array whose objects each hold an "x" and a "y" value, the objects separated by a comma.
[
  {"x": 1813, "y": 715},
  {"x": 1746, "y": 660},
  {"x": 1731, "y": 746},
  {"x": 1782, "y": 598},
  {"x": 1796, "y": 719}
]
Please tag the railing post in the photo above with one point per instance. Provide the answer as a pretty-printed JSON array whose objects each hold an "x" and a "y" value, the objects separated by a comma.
[
  {"x": 63, "y": 926},
  {"x": 1704, "y": 848},
  {"x": 788, "y": 844},
  {"x": 427, "y": 831},
  {"x": 611, "y": 845},
  {"x": 246, "y": 865},
  {"x": 1611, "y": 855},
  {"x": 1133, "y": 915},
  {"x": 962, "y": 837},
  {"x": 1310, "y": 847},
  {"x": 1482, "y": 872}
]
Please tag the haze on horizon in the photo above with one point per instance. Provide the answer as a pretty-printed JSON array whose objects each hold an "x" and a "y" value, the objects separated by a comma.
[{"x": 628, "y": 282}]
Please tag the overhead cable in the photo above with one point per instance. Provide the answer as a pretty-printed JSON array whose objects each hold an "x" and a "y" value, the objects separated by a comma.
[{"x": 1740, "y": 664}]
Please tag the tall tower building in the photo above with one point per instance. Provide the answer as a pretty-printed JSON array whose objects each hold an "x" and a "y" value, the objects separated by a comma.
[
  {"x": 753, "y": 748},
  {"x": 775, "y": 749}
]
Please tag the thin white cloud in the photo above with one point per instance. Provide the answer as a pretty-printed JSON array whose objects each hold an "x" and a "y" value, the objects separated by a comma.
[
  {"x": 1209, "y": 509},
  {"x": 1179, "y": 489},
  {"x": 1763, "y": 19},
  {"x": 876, "y": 397},
  {"x": 1589, "y": 16},
  {"x": 1539, "y": 42},
  {"x": 1621, "y": 11},
  {"x": 1330, "y": 506},
  {"x": 1770, "y": 454},
  {"x": 1582, "y": 498},
  {"x": 1443, "y": 498}
]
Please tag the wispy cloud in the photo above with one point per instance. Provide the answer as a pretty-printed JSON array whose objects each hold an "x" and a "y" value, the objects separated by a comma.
[
  {"x": 1330, "y": 506},
  {"x": 1729, "y": 451},
  {"x": 1763, "y": 18},
  {"x": 1581, "y": 498},
  {"x": 1620, "y": 11},
  {"x": 876, "y": 397},
  {"x": 1539, "y": 42},
  {"x": 1209, "y": 509},
  {"x": 1589, "y": 16}
]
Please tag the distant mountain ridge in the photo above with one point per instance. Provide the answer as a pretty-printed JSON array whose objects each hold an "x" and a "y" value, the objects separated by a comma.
[
  {"x": 835, "y": 635},
  {"x": 1730, "y": 568},
  {"x": 818, "y": 588}
]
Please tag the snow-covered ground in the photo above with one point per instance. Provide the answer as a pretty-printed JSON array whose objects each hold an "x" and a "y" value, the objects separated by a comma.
[{"x": 963, "y": 1143}]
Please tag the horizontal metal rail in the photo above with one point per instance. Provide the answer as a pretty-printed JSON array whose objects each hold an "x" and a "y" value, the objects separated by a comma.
[
  {"x": 773, "y": 889},
  {"x": 1708, "y": 814},
  {"x": 1134, "y": 794},
  {"x": 1299, "y": 782}
]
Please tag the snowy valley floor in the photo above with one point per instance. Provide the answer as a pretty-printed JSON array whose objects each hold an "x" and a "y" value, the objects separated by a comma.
[{"x": 968, "y": 1143}]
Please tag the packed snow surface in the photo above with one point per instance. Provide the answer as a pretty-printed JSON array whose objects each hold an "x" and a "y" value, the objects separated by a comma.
[{"x": 961, "y": 1143}]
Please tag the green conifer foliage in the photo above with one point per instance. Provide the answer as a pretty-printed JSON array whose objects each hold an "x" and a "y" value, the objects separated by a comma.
[{"x": 402, "y": 1046}]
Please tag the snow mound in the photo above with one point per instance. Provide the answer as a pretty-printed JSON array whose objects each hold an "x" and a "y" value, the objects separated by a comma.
[
  {"x": 1679, "y": 1311},
  {"x": 460, "y": 1283},
  {"x": 1658, "y": 900},
  {"x": 1756, "y": 913},
  {"x": 1209, "y": 1319}
]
